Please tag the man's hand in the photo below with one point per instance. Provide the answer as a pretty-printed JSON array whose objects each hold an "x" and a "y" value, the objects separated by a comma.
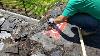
[
  {"x": 57, "y": 20},
  {"x": 51, "y": 21},
  {"x": 60, "y": 19}
]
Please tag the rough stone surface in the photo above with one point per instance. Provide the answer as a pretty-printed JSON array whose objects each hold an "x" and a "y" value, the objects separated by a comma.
[{"x": 27, "y": 39}]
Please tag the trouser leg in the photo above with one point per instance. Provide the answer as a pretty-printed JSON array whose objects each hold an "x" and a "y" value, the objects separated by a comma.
[{"x": 84, "y": 21}]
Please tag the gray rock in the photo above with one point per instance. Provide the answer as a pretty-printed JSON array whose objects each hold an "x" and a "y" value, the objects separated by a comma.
[
  {"x": 1, "y": 46},
  {"x": 56, "y": 53},
  {"x": 2, "y": 20},
  {"x": 48, "y": 43},
  {"x": 1, "y": 15},
  {"x": 24, "y": 27},
  {"x": 38, "y": 54},
  {"x": 10, "y": 48},
  {"x": 4, "y": 35}
]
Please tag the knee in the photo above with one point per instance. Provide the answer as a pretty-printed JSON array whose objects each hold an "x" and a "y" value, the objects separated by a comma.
[{"x": 84, "y": 21}]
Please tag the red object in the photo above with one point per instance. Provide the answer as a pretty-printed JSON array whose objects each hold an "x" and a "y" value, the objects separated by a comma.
[{"x": 54, "y": 33}]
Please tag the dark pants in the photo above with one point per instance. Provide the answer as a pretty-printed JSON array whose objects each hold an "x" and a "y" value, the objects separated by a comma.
[{"x": 85, "y": 21}]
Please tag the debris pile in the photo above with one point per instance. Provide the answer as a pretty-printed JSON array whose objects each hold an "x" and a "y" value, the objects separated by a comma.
[{"x": 22, "y": 36}]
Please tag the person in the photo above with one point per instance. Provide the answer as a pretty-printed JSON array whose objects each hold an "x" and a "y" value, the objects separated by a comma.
[{"x": 83, "y": 13}]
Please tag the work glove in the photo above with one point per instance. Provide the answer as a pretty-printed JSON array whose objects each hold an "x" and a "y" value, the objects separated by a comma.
[{"x": 51, "y": 22}]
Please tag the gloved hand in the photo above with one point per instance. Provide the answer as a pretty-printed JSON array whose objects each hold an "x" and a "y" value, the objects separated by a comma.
[{"x": 51, "y": 21}]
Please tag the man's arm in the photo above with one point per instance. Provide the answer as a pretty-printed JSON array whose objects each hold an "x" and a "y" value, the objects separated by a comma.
[
  {"x": 60, "y": 19},
  {"x": 70, "y": 10}
]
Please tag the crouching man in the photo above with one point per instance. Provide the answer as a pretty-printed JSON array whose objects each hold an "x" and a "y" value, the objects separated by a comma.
[{"x": 83, "y": 13}]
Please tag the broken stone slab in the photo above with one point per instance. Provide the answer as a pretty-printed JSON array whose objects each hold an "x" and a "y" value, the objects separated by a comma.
[
  {"x": 10, "y": 48},
  {"x": 5, "y": 13},
  {"x": 10, "y": 23},
  {"x": 46, "y": 41},
  {"x": 2, "y": 19},
  {"x": 49, "y": 43},
  {"x": 12, "y": 19},
  {"x": 70, "y": 48}
]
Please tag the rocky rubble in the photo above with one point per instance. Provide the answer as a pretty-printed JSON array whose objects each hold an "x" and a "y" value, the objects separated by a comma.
[
  {"x": 22, "y": 36},
  {"x": 21, "y": 40}
]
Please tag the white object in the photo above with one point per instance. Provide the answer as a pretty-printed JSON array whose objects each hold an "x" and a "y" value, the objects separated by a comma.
[
  {"x": 1, "y": 15},
  {"x": 4, "y": 35},
  {"x": 1, "y": 46},
  {"x": 51, "y": 20},
  {"x": 2, "y": 20}
]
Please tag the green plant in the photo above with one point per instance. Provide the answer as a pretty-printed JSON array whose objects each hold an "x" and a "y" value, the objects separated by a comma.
[{"x": 37, "y": 7}]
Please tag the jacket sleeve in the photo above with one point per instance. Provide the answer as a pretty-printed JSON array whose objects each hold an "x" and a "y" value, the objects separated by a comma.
[{"x": 71, "y": 7}]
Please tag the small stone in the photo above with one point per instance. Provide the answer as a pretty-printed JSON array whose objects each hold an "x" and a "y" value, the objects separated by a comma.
[
  {"x": 4, "y": 35},
  {"x": 1, "y": 46},
  {"x": 1, "y": 15}
]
